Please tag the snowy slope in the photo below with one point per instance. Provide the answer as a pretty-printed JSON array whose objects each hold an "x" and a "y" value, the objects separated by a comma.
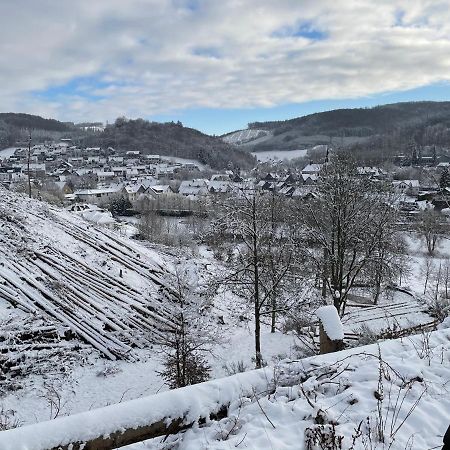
[
  {"x": 88, "y": 282},
  {"x": 397, "y": 390},
  {"x": 243, "y": 136},
  {"x": 400, "y": 386},
  {"x": 279, "y": 155}
]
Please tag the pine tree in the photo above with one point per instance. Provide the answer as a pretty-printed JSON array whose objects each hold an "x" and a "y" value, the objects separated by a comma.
[{"x": 184, "y": 343}]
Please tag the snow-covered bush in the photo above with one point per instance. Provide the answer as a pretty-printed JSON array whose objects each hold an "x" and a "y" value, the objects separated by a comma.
[
  {"x": 234, "y": 367},
  {"x": 366, "y": 335},
  {"x": 8, "y": 419},
  {"x": 323, "y": 437}
]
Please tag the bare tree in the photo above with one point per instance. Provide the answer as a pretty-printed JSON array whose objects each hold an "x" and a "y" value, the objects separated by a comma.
[
  {"x": 348, "y": 229},
  {"x": 427, "y": 270},
  {"x": 430, "y": 228},
  {"x": 150, "y": 225},
  {"x": 262, "y": 254}
]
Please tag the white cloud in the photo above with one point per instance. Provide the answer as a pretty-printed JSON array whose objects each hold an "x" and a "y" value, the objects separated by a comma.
[{"x": 147, "y": 57}]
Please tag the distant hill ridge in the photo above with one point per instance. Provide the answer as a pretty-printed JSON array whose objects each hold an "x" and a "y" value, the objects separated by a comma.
[
  {"x": 393, "y": 128},
  {"x": 29, "y": 121},
  {"x": 351, "y": 126},
  {"x": 170, "y": 139}
]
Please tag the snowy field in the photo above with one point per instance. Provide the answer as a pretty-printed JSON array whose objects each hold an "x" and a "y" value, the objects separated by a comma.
[
  {"x": 388, "y": 396},
  {"x": 7, "y": 152},
  {"x": 243, "y": 136},
  {"x": 279, "y": 155},
  {"x": 175, "y": 159}
]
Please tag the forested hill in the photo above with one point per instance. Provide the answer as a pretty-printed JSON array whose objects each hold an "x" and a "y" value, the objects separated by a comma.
[
  {"x": 29, "y": 121},
  {"x": 411, "y": 120},
  {"x": 15, "y": 127},
  {"x": 172, "y": 139}
]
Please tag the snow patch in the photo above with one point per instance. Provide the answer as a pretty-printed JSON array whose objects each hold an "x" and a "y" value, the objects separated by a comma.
[{"x": 331, "y": 322}]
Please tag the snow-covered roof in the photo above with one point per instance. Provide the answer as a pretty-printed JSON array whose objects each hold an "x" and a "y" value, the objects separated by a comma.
[
  {"x": 198, "y": 182},
  {"x": 219, "y": 186},
  {"x": 193, "y": 190},
  {"x": 105, "y": 174},
  {"x": 134, "y": 188},
  {"x": 312, "y": 168},
  {"x": 161, "y": 188},
  {"x": 104, "y": 190},
  {"x": 310, "y": 176},
  {"x": 410, "y": 183}
]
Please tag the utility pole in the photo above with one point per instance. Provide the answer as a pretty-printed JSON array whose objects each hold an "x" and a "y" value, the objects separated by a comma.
[{"x": 28, "y": 165}]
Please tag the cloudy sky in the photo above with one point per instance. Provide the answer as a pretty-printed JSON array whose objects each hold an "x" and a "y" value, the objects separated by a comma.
[{"x": 218, "y": 64}]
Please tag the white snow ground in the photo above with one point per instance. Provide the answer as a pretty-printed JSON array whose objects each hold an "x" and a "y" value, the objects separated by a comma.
[
  {"x": 7, "y": 152},
  {"x": 340, "y": 390},
  {"x": 394, "y": 395},
  {"x": 83, "y": 379},
  {"x": 279, "y": 155}
]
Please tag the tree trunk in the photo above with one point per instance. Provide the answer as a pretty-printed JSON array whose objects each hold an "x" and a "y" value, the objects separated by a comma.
[
  {"x": 274, "y": 315},
  {"x": 324, "y": 273},
  {"x": 256, "y": 288}
]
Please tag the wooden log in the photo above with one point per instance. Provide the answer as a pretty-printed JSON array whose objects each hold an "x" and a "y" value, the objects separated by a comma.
[
  {"x": 51, "y": 309},
  {"x": 130, "y": 422}
]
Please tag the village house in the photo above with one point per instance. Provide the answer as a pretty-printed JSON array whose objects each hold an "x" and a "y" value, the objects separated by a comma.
[
  {"x": 153, "y": 159},
  {"x": 165, "y": 172},
  {"x": 312, "y": 169},
  {"x": 10, "y": 174},
  {"x": 64, "y": 187},
  {"x": 219, "y": 186},
  {"x": 134, "y": 191},
  {"x": 309, "y": 178},
  {"x": 100, "y": 195},
  {"x": 160, "y": 189},
  {"x": 105, "y": 176},
  {"x": 36, "y": 170},
  {"x": 119, "y": 172},
  {"x": 116, "y": 159},
  {"x": 408, "y": 187},
  {"x": 193, "y": 188}
]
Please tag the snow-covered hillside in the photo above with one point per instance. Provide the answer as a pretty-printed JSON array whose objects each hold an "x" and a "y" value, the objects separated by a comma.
[
  {"x": 279, "y": 155},
  {"x": 81, "y": 306},
  {"x": 397, "y": 392},
  {"x": 393, "y": 395},
  {"x": 66, "y": 283},
  {"x": 244, "y": 136}
]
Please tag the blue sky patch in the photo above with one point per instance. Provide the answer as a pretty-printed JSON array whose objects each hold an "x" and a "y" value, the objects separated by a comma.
[
  {"x": 303, "y": 30},
  {"x": 207, "y": 52},
  {"x": 399, "y": 16},
  {"x": 81, "y": 87}
]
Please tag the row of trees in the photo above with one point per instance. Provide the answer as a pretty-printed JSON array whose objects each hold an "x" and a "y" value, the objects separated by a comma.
[{"x": 342, "y": 236}]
